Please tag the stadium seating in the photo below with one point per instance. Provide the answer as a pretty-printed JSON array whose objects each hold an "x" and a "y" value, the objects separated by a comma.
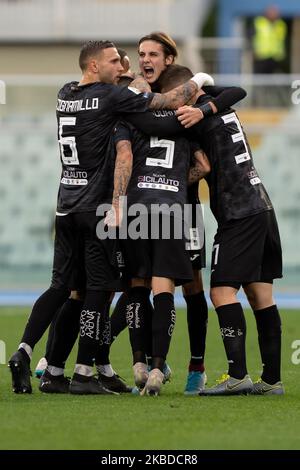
[{"x": 28, "y": 189}]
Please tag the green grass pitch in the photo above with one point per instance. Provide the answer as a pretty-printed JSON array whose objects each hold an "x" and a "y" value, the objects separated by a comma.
[{"x": 170, "y": 421}]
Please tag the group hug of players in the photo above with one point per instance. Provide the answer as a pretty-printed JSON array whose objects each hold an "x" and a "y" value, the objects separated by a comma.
[{"x": 116, "y": 145}]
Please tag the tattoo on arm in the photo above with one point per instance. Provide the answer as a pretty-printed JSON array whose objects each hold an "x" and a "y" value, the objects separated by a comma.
[
  {"x": 201, "y": 168},
  {"x": 175, "y": 98},
  {"x": 123, "y": 169}
]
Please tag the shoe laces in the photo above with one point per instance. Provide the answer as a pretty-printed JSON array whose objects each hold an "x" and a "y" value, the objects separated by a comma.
[{"x": 223, "y": 378}]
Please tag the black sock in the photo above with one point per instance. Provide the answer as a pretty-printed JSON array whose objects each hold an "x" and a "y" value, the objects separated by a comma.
[
  {"x": 42, "y": 314},
  {"x": 66, "y": 332},
  {"x": 90, "y": 333},
  {"x": 102, "y": 356},
  {"x": 233, "y": 330},
  {"x": 197, "y": 315},
  {"x": 138, "y": 298},
  {"x": 269, "y": 337},
  {"x": 148, "y": 330},
  {"x": 163, "y": 322},
  {"x": 50, "y": 338},
  {"x": 118, "y": 317}
]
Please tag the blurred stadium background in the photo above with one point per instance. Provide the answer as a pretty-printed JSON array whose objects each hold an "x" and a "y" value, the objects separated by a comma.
[{"x": 39, "y": 45}]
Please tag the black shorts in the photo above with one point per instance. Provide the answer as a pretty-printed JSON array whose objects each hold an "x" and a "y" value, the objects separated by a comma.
[
  {"x": 196, "y": 249},
  {"x": 196, "y": 243},
  {"x": 97, "y": 263},
  {"x": 78, "y": 277},
  {"x": 247, "y": 250},
  {"x": 145, "y": 258}
]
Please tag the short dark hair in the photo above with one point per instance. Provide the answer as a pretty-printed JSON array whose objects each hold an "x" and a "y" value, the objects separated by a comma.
[
  {"x": 90, "y": 49},
  {"x": 122, "y": 53},
  {"x": 168, "y": 44},
  {"x": 173, "y": 76},
  {"x": 125, "y": 80}
]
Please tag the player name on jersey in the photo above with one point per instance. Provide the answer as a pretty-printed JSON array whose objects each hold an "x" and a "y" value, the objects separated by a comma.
[
  {"x": 77, "y": 105},
  {"x": 164, "y": 113}
]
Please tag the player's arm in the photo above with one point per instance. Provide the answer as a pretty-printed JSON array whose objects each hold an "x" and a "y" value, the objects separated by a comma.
[
  {"x": 177, "y": 97},
  {"x": 223, "y": 98},
  {"x": 200, "y": 168},
  {"x": 160, "y": 124},
  {"x": 122, "y": 175}
]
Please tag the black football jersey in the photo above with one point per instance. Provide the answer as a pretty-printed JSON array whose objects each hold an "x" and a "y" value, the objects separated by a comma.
[
  {"x": 236, "y": 190},
  {"x": 86, "y": 117},
  {"x": 160, "y": 167},
  {"x": 193, "y": 193}
]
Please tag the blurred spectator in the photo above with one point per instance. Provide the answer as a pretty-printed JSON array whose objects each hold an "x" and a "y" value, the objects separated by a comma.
[{"x": 269, "y": 41}]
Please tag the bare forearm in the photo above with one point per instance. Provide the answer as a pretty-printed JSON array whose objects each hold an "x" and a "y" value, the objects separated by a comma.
[
  {"x": 201, "y": 168},
  {"x": 123, "y": 169},
  {"x": 196, "y": 173},
  {"x": 175, "y": 98}
]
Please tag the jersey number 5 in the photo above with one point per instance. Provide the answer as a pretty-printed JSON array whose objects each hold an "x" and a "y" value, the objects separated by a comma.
[
  {"x": 67, "y": 141},
  {"x": 166, "y": 162}
]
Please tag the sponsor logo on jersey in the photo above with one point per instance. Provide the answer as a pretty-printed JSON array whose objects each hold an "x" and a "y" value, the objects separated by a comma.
[
  {"x": 158, "y": 182},
  {"x": 74, "y": 178},
  {"x": 253, "y": 177}
]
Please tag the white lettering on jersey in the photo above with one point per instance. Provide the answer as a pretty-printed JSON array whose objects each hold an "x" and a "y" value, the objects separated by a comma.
[
  {"x": 74, "y": 178},
  {"x": 158, "y": 182},
  {"x": 253, "y": 177},
  {"x": 238, "y": 137},
  {"x": 77, "y": 105},
  {"x": 254, "y": 181},
  {"x": 164, "y": 187},
  {"x": 74, "y": 182}
]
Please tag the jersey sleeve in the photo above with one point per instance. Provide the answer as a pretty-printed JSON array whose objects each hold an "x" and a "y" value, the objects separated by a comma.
[
  {"x": 125, "y": 100},
  {"x": 225, "y": 97},
  {"x": 161, "y": 123},
  {"x": 122, "y": 131}
]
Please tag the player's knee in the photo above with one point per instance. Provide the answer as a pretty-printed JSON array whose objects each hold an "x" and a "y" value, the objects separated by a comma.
[
  {"x": 215, "y": 297},
  {"x": 191, "y": 288},
  {"x": 252, "y": 299},
  {"x": 194, "y": 287},
  {"x": 259, "y": 300},
  {"x": 77, "y": 295},
  {"x": 139, "y": 282},
  {"x": 223, "y": 295}
]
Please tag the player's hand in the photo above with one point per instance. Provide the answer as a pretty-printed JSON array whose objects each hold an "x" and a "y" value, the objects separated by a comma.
[
  {"x": 114, "y": 217},
  {"x": 188, "y": 116}
]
